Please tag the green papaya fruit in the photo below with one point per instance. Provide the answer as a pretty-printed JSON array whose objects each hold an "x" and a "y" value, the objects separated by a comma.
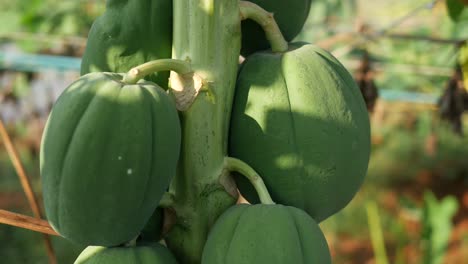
[
  {"x": 290, "y": 15},
  {"x": 147, "y": 254},
  {"x": 265, "y": 234},
  {"x": 300, "y": 121},
  {"x": 128, "y": 34},
  {"x": 108, "y": 153},
  {"x": 152, "y": 231}
]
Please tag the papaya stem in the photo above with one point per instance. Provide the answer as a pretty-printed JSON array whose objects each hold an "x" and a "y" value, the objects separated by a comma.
[
  {"x": 236, "y": 165},
  {"x": 139, "y": 72},
  {"x": 167, "y": 200},
  {"x": 208, "y": 34},
  {"x": 249, "y": 10}
]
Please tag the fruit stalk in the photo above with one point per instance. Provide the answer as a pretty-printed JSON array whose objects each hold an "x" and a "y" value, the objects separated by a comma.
[
  {"x": 265, "y": 19},
  {"x": 207, "y": 34},
  {"x": 236, "y": 165},
  {"x": 139, "y": 72}
]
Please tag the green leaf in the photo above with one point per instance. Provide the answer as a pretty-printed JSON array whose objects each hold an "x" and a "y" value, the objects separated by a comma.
[
  {"x": 457, "y": 10},
  {"x": 463, "y": 60},
  {"x": 437, "y": 226}
]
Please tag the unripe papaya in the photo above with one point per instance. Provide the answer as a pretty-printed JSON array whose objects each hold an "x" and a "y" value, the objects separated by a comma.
[
  {"x": 262, "y": 234},
  {"x": 300, "y": 121},
  {"x": 108, "y": 153},
  {"x": 290, "y": 15},
  {"x": 128, "y": 34},
  {"x": 152, "y": 231},
  {"x": 147, "y": 254}
]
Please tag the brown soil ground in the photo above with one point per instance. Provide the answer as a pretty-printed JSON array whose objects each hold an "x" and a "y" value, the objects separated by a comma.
[{"x": 359, "y": 251}]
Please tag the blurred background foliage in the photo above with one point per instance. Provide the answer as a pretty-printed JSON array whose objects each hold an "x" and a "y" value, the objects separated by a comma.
[
  {"x": 415, "y": 195},
  {"x": 47, "y": 19},
  {"x": 331, "y": 17}
]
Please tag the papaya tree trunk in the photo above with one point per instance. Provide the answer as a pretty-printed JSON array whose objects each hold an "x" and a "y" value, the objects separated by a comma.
[{"x": 206, "y": 33}]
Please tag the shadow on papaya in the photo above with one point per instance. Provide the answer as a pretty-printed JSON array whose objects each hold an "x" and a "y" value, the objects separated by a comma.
[
  {"x": 313, "y": 167},
  {"x": 107, "y": 158},
  {"x": 298, "y": 119}
]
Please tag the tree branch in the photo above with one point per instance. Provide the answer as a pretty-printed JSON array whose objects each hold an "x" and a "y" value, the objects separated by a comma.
[
  {"x": 26, "y": 222},
  {"x": 26, "y": 184}
]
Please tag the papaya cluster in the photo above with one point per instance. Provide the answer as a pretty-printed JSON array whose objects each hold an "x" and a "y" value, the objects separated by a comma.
[{"x": 297, "y": 118}]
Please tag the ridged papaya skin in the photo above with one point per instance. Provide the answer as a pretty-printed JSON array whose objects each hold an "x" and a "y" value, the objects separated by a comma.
[
  {"x": 299, "y": 119},
  {"x": 108, "y": 153},
  {"x": 290, "y": 15},
  {"x": 149, "y": 254},
  {"x": 265, "y": 234},
  {"x": 130, "y": 33}
]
